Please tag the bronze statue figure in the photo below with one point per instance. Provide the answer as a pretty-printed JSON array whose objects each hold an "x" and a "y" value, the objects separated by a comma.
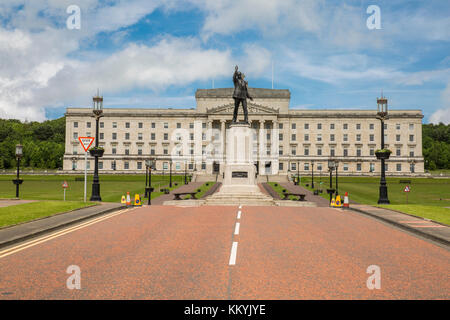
[{"x": 240, "y": 94}]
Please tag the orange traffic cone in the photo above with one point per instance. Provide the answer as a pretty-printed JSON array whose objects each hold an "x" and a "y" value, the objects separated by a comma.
[
  {"x": 128, "y": 199},
  {"x": 346, "y": 202}
]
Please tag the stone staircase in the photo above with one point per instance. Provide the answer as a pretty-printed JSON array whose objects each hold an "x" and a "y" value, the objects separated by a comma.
[{"x": 250, "y": 196}]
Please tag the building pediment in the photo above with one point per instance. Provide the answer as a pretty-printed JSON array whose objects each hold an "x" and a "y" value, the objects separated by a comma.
[{"x": 253, "y": 108}]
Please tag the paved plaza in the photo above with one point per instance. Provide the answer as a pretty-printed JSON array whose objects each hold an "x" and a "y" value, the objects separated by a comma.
[{"x": 227, "y": 252}]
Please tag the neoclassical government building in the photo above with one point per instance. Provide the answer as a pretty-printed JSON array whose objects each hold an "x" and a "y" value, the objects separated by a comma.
[{"x": 285, "y": 141}]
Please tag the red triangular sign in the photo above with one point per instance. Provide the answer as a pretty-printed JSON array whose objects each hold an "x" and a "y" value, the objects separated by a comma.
[
  {"x": 65, "y": 185},
  {"x": 86, "y": 142},
  {"x": 407, "y": 189}
]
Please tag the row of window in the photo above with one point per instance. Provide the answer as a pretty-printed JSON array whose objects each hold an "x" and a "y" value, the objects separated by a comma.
[
  {"x": 306, "y": 137},
  {"x": 345, "y": 167},
  {"x": 306, "y": 151},
  {"x": 306, "y": 126},
  {"x": 139, "y": 165},
  {"x": 345, "y": 152},
  {"x": 190, "y": 166},
  {"x": 345, "y": 137},
  {"x": 140, "y": 125}
]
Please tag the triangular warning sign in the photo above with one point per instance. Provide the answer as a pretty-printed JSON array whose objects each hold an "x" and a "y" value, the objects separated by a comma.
[
  {"x": 86, "y": 142},
  {"x": 65, "y": 185},
  {"x": 406, "y": 189}
]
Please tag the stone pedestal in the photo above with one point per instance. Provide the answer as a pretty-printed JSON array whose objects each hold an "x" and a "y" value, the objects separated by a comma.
[
  {"x": 239, "y": 183},
  {"x": 240, "y": 171}
]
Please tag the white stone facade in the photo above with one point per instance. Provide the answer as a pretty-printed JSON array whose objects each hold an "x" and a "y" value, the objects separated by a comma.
[{"x": 283, "y": 138}]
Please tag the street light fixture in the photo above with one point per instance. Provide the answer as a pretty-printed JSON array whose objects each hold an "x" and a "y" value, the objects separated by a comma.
[
  {"x": 331, "y": 167},
  {"x": 170, "y": 177},
  {"x": 336, "y": 166},
  {"x": 18, "y": 181},
  {"x": 185, "y": 172},
  {"x": 383, "y": 154},
  {"x": 312, "y": 175},
  {"x": 96, "y": 152},
  {"x": 149, "y": 164}
]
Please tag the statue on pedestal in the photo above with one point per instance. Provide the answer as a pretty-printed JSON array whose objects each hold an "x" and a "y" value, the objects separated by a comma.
[{"x": 240, "y": 94}]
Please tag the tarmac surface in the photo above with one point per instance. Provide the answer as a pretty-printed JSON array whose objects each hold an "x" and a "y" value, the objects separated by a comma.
[{"x": 224, "y": 252}]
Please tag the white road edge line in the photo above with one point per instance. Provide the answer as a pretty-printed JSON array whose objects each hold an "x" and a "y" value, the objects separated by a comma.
[
  {"x": 239, "y": 214},
  {"x": 45, "y": 238},
  {"x": 236, "y": 229},
  {"x": 233, "y": 254}
]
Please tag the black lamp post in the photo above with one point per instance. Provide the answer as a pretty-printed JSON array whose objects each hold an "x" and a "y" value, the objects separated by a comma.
[
  {"x": 185, "y": 172},
  {"x": 149, "y": 189},
  {"x": 146, "y": 179},
  {"x": 382, "y": 115},
  {"x": 18, "y": 181},
  {"x": 170, "y": 177},
  {"x": 312, "y": 175},
  {"x": 96, "y": 152},
  {"x": 336, "y": 166},
  {"x": 330, "y": 191}
]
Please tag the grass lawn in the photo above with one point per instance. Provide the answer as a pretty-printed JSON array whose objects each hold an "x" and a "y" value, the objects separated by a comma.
[
  {"x": 279, "y": 189},
  {"x": 203, "y": 188},
  {"x": 439, "y": 214},
  {"x": 30, "y": 211},
  {"x": 428, "y": 196},
  {"x": 112, "y": 187}
]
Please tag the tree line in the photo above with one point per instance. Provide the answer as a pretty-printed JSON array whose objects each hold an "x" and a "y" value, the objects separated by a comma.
[
  {"x": 43, "y": 144},
  {"x": 436, "y": 146}
]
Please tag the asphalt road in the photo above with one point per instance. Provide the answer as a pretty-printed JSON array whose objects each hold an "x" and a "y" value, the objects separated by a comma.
[{"x": 164, "y": 252}]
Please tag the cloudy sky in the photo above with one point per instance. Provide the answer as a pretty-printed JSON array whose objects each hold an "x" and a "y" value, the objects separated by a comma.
[{"x": 156, "y": 53}]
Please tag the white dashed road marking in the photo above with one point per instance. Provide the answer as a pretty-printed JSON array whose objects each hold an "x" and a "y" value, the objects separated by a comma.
[
  {"x": 236, "y": 230},
  {"x": 233, "y": 254}
]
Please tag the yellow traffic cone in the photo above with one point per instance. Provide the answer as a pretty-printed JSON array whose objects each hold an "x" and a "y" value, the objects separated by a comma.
[
  {"x": 123, "y": 200},
  {"x": 338, "y": 203},
  {"x": 333, "y": 202},
  {"x": 137, "y": 200}
]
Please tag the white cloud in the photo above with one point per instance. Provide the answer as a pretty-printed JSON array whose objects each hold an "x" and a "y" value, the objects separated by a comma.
[
  {"x": 256, "y": 60},
  {"x": 170, "y": 62},
  {"x": 272, "y": 17},
  {"x": 443, "y": 114},
  {"x": 39, "y": 68},
  {"x": 41, "y": 64},
  {"x": 335, "y": 69}
]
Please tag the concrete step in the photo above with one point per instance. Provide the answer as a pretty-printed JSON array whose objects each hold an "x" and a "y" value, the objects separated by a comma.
[{"x": 239, "y": 196}]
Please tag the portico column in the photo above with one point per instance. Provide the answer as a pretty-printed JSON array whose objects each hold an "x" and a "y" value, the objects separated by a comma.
[
  {"x": 209, "y": 149},
  {"x": 262, "y": 147},
  {"x": 275, "y": 145},
  {"x": 222, "y": 131}
]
